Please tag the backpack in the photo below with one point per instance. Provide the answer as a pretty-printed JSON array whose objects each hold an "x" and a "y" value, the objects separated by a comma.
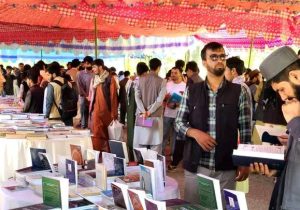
[{"x": 69, "y": 97}]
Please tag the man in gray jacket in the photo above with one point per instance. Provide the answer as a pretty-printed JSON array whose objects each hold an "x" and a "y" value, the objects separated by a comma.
[
  {"x": 282, "y": 69},
  {"x": 149, "y": 95}
]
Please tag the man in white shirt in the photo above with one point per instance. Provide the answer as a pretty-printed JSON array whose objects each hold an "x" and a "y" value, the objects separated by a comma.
[{"x": 174, "y": 86}]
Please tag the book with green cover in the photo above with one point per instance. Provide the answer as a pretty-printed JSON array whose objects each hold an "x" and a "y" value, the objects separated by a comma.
[
  {"x": 55, "y": 192},
  {"x": 209, "y": 192}
]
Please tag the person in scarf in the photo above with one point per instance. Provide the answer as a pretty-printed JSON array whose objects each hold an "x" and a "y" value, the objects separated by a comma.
[{"x": 103, "y": 106}]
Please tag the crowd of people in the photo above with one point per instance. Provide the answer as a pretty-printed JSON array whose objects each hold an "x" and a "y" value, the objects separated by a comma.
[{"x": 202, "y": 128}]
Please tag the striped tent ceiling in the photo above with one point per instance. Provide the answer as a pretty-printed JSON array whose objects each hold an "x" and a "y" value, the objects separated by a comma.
[{"x": 65, "y": 19}]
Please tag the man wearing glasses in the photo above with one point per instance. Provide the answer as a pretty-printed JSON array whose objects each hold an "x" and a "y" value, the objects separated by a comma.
[{"x": 212, "y": 115}]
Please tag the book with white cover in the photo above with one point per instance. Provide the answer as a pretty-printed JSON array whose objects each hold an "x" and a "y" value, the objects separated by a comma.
[
  {"x": 209, "y": 191},
  {"x": 148, "y": 181},
  {"x": 271, "y": 155},
  {"x": 56, "y": 192},
  {"x": 158, "y": 166},
  {"x": 91, "y": 158},
  {"x": 47, "y": 158},
  {"x": 101, "y": 176},
  {"x": 235, "y": 200},
  {"x": 145, "y": 153}
]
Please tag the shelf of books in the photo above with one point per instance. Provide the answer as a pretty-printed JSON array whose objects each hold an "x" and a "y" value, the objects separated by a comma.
[
  {"x": 21, "y": 131},
  {"x": 80, "y": 181}
]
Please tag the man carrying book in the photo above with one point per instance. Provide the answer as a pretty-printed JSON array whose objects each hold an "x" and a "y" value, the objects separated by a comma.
[
  {"x": 282, "y": 69},
  {"x": 175, "y": 88},
  {"x": 211, "y": 115}
]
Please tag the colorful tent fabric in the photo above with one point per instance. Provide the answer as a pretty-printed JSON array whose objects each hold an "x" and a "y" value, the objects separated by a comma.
[{"x": 270, "y": 18}]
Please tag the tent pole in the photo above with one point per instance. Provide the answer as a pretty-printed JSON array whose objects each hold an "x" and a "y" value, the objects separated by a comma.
[
  {"x": 250, "y": 53},
  {"x": 41, "y": 54},
  {"x": 96, "y": 41}
]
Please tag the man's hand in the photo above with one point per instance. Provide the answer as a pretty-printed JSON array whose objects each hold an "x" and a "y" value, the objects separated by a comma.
[
  {"x": 262, "y": 169},
  {"x": 205, "y": 141},
  {"x": 291, "y": 109},
  {"x": 283, "y": 139},
  {"x": 242, "y": 173}
]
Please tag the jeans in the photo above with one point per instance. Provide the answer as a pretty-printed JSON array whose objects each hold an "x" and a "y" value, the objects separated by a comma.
[
  {"x": 84, "y": 111},
  {"x": 168, "y": 130}
]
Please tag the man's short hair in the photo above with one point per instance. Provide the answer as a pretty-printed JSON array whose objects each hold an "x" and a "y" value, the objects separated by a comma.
[
  {"x": 179, "y": 64},
  {"x": 54, "y": 67},
  {"x": 298, "y": 52},
  {"x": 33, "y": 74},
  {"x": 210, "y": 46},
  {"x": 154, "y": 63},
  {"x": 141, "y": 68},
  {"x": 237, "y": 63},
  {"x": 98, "y": 62},
  {"x": 40, "y": 65},
  {"x": 126, "y": 73},
  {"x": 192, "y": 65},
  {"x": 88, "y": 59},
  {"x": 75, "y": 63}
]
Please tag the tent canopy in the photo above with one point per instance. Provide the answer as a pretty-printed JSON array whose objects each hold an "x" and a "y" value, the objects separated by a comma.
[{"x": 62, "y": 19}]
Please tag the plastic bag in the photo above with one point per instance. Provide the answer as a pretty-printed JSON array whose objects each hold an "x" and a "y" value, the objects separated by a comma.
[{"x": 115, "y": 130}]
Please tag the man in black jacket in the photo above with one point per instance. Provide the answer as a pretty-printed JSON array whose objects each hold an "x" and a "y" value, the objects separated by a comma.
[{"x": 211, "y": 114}]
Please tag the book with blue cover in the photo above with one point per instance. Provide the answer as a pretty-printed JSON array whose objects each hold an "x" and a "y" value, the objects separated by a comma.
[
  {"x": 175, "y": 98},
  {"x": 235, "y": 200},
  {"x": 71, "y": 171}
]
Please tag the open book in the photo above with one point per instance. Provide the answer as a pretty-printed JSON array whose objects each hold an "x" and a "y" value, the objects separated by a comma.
[{"x": 271, "y": 155}]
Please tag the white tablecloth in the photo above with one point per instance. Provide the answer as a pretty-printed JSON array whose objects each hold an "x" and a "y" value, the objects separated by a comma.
[{"x": 15, "y": 153}]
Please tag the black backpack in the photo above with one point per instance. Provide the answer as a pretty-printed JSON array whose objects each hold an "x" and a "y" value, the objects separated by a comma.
[{"x": 69, "y": 97}]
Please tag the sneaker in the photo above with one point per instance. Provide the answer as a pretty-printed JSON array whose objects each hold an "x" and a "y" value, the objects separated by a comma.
[{"x": 171, "y": 167}]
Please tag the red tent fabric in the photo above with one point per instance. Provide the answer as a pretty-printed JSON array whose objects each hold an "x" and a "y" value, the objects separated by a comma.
[{"x": 155, "y": 17}]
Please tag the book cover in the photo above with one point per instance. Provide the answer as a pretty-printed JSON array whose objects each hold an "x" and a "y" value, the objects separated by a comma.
[
  {"x": 120, "y": 165},
  {"x": 209, "y": 192},
  {"x": 158, "y": 168},
  {"x": 91, "y": 159},
  {"x": 144, "y": 122},
  {"x": 138, "y": 155},
  {"x": 108, "y": 161},
  {"x": 175, "y": 98},
  {"x": 120, "y": 195},
  {"x": 271, "y": 155},
  {"x": 37, "y": 163},
  {"x": 175, "y": 202},
  {"x": 71, "y": 171},
  {"x": 154, "y": 205},
  {"x": 147, "y": 180},
  {"x": 119, "y": 148},
  {"x": 55, "y": 192},
  {"x": 46, "y": 160},
  {"x": 76, "y": 153},
  {"x": 164, "y": 169},
  {"x": 137, "y": 199},
  {"x": 235, "y": 200}
]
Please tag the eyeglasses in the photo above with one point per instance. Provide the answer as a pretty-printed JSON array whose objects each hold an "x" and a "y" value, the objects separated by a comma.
[{"x": 215, "y": 57}]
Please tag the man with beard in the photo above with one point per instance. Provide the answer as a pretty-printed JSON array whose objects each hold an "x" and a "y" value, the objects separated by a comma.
[
  {"x": 282, "y": 69},
  {"x": 211, "y": 115}
]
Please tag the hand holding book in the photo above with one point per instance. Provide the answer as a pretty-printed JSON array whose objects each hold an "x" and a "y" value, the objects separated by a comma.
[{"x": 262, "y": 169}]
